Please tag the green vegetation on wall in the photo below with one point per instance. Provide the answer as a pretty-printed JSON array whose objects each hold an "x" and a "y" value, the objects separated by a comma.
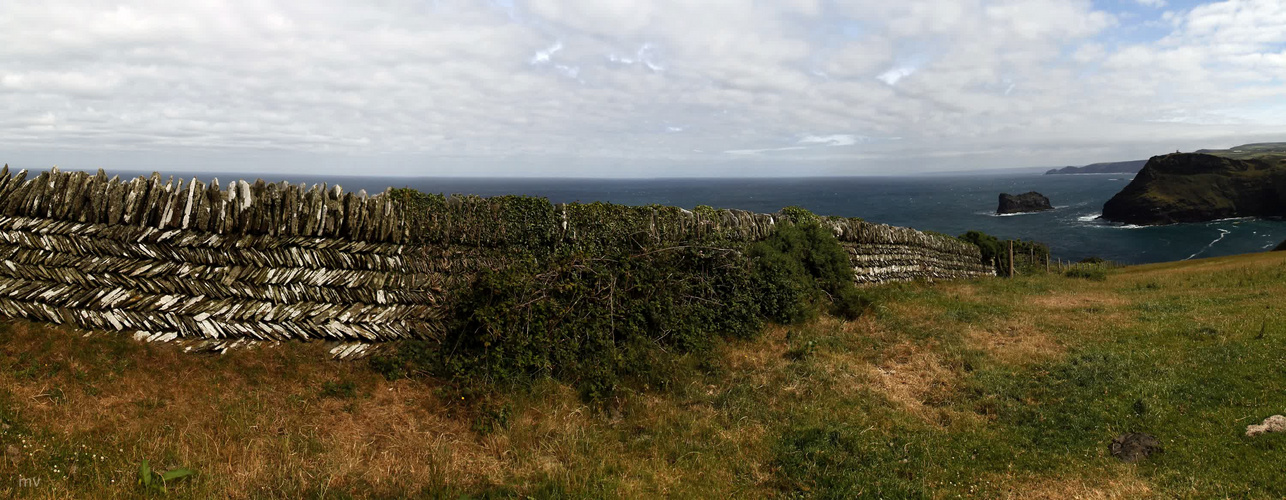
[
  {"x": 804, "y": 269},
  {"x": 604, "y": 313},
  {"x": 1029, "y": 256}
]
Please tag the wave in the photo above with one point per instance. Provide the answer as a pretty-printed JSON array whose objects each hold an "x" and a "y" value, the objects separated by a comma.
[
  {"x": 994, "y": 214},
  {"x": 1232, "y": 219},
  {"x": 1093, "y": 220},
  {"x": 1222, "y": 234}
]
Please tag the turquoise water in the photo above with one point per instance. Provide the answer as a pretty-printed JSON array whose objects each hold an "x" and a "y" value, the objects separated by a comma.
[{"x": 945, "y": 204}]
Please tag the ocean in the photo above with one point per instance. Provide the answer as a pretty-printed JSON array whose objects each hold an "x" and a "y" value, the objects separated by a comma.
[{"x": 946, "y": 204}]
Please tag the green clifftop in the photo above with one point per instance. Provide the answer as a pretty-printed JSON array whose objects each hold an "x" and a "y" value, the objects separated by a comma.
[{"x": 1246, "y": 181}]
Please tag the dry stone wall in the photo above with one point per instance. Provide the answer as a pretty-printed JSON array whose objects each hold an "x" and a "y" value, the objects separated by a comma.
[{"x": 183, "y": 259}]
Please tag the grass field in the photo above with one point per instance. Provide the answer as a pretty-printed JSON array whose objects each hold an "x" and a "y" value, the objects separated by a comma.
[
  {"x": 986, "y": 389},
  {"x": 1270, "y": 152}
]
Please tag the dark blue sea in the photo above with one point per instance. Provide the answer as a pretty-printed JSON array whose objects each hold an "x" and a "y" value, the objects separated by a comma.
[{"x": 947, "y": 204}]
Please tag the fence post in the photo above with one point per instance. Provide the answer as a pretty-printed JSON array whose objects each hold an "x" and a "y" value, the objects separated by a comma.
[{"x": 1011, "y": 258}]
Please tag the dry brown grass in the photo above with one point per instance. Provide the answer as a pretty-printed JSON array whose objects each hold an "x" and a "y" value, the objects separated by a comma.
[
  {"x": 253, "y": 419},
  {"x": 1015, "y": 341},
  {"x": 1126, "y": 485},
  {"x": 916, "y": 378},
  {"x": 1063, "y": 301},
  {"x": 254, "y": 423}
]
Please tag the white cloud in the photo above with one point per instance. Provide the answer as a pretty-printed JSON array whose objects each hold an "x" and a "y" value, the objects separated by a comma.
[
  {"x": 1156, "y": 4},
  {"x": 893, "y": 76},
  {"x": 832, "y": 140},
  {"x": 563, "y": 86},
  {"x": 542, "y": 56},
  {"x": 761, "y": 151}
]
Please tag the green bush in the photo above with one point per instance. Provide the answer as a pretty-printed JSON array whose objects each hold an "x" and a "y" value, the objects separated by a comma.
[
  {"x": 1029, "y": 256},
  {"x": 600, "y": 313},
  {"x": 799, "y": 215},
  {"x": 802, "y": 270},
  {"x": 593, "y": 322},
  {"x": 989, "y": 245}
]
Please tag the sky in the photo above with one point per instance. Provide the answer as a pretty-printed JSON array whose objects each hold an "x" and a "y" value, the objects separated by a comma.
[{"x": 632, "y": 88}]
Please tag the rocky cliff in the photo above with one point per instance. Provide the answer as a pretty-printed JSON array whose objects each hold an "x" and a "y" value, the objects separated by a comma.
[
  {"x": 1027, "y": 202},
  {"x": 1195, "y": 187}
]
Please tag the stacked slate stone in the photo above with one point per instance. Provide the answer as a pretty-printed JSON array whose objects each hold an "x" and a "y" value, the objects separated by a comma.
[
  {"x": 174, "y": 260},
  {"x": 882, "y": 253},
  {"x": 243, "y": 209}
]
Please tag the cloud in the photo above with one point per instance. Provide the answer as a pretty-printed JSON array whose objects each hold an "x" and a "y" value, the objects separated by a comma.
[
  {"x": 761, "y": 151},
  {"x": 565, "y": 87},
  {"x": 832, "y": 140},
  {"x": 542, "y": 56},
  {"x": 893, "y": 76},
  {"x": 1156, "y": 4}
]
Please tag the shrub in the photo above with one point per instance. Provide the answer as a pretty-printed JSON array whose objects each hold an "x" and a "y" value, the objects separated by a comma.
[
  {"x": 798, "y": 215},
  {"x": 1029, "y": 256},
  {"x": 591, "y": 321},
  {"x": 986, "y": 243},
  {"x": 851, "y": 303},
  {"x": 803, "y": 269},
  {"x": 606, "y": 314}
]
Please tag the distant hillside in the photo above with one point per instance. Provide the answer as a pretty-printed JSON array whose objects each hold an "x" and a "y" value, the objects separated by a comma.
[
  {"x": 1257, "y": 151},
  {"x": 1244, "y": 181},
  {"x": 1115, "y": 167}
]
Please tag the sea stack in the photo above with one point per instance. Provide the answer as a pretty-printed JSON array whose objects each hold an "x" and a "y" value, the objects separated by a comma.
[{"x": 1023, "y": 203}]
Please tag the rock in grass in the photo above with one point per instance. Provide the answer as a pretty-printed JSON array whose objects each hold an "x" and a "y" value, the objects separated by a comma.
[
  {"x": 1275, "y": 423},
  {"x": 1135, "y": 446}
]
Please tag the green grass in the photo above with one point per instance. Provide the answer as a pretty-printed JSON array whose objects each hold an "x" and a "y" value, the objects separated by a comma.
[
  {"x": 1265, "y": 151},
  {"x": 991, "y": 388}
]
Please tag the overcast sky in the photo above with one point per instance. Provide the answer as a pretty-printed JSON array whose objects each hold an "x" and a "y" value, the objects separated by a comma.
[{"x": 633, "y": 88}]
